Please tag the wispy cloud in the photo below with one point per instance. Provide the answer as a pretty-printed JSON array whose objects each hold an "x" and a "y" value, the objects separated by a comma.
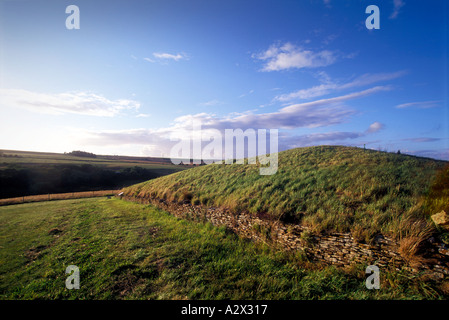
[
  {"x": 328, "y": 86},
  {"x": 422, "y": 140},
  {"x": 84, "y": 103},
  {"x": 160, "y": 141},
  {"x": 211, "y": 103},
  {"x": 318, "y": 138},
  {"x": 169, "y": 56},
  {"x": 398, "y": 4},
  {"x": 288, "y": 56},
  {"x": 143, "y": 115},
  {"x": 308, "y": 93},
  {"x": 247, "y": 93},
  {"x": 339, "y": 99},
  {"x": 123, "y": 137},
  {"x": 163, "y": 57},
  {"x": 313, "y": 114},
  {"x": 288, "y": 142},
  {"x": 320, "y": 113},
  {"x": 419, "y": 105}
]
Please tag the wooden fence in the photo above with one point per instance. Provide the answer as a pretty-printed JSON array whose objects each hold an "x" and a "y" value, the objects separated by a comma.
[{"x": 58, "y": 196}]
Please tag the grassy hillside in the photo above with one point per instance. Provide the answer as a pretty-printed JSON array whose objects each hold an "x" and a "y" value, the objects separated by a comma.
[
  {"x": 130, "y": 251},
  {"x": 327, "y": 188}
]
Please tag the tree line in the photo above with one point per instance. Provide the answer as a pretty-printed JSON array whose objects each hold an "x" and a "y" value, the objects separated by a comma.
[{"x": 83, "y": 154}]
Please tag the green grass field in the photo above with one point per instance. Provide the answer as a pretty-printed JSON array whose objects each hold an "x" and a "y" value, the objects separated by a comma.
[{"x": 130, "y": 251}]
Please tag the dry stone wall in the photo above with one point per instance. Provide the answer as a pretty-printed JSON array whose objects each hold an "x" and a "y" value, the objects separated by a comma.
[{"x": 339, "y": 249}]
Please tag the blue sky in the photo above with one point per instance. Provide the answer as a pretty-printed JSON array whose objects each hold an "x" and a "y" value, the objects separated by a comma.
[{"x": 137, "y": 72}]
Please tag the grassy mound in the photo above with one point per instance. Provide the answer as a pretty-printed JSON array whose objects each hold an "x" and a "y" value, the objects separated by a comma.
[{"x": 328, "y": 188}]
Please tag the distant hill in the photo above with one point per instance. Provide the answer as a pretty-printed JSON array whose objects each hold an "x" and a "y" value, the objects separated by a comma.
[
  {"x": 328, "y": 188},
  {"x": 24, "y": 173}
]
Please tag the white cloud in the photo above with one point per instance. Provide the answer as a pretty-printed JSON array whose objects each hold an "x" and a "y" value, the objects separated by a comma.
[
  {"x": 398, "y": 4},
  {"x": 329, "y": 86},
  {"x": 168, "y": 56},
  {"x": 420, "y": 105},
  {"x": 375, "y": 127},
  {"x": 159, "y": 142},
  {"x": 163, "y": 57},
  {"x": 84, "y": 103},
  {"x": 288, "y": 56},
  {"x": 143, "y": 115},
  {"x": 320, "y": 113}
]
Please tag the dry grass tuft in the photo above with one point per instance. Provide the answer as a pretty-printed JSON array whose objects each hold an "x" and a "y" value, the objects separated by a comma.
[
  {"x": 413, "y": 233},
  {"x": 362, "y": 235}
]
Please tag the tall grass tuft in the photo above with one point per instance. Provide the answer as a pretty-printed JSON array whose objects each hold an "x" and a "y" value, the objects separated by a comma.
[{"x": 412, "y": 232}]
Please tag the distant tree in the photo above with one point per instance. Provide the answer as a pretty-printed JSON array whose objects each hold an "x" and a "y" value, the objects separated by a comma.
[
  {"x": 399, "y": 152},
  {"x": 84, "y": 154}
]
